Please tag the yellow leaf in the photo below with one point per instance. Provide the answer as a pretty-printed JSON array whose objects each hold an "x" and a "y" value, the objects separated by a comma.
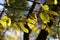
[
  {"x": 9, "y": 23},
  {"x": 4, "y": 24},
  {"x": 43, "y": 26},
  {"x": 31, "y": 26},
  {"x": 45, "y": 7},
  {"x": 53, "y": 13},
  {"x": 23, "y": 28},
  {"x": 44, "y": 17},
  {"x": 32, "y": 19},
  {"x": 38, "y": 30},
  {"x": 8, "y": 2},
  {"x": 55, "y": 2},
  {"x": 5, "y": 18},
  {"x": 35, "y": 17},
  {"x": 34, "y": 28},
  {"x": 16, "y": 26},
  {"x": 49, "y": 30}
]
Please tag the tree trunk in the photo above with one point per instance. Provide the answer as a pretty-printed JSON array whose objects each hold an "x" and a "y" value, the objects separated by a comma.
[
  {"x": 26, "y": 35},
  {"x": 42, "y": 35}
]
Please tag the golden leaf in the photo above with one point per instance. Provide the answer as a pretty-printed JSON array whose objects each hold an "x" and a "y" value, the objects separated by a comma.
[
  {"x": 55, "y": 2},
  {"x": 49, "y": 30},
  {"x": 43, "y": 26},
  {"x": 44, "y": 17},
  {"x": 32, "y": 19},
  {"x": 52, "y": 13},
  {"x": 45, "y": 7},
  {"x": 16, "y": 26},
  {"x": 8, "y": 2},
  {"x": 5, "y": 18},
  {"x": 31, "y": 26},
  {"x": 4, "y": 24},
  {"x": 23, "y": 28}
]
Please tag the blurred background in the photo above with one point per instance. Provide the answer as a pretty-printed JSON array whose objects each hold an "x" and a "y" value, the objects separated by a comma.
[{"x": 13, "y": 34}]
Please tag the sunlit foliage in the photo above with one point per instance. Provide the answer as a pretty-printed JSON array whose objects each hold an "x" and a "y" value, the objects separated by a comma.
[{"x": 16, "y": 19}]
